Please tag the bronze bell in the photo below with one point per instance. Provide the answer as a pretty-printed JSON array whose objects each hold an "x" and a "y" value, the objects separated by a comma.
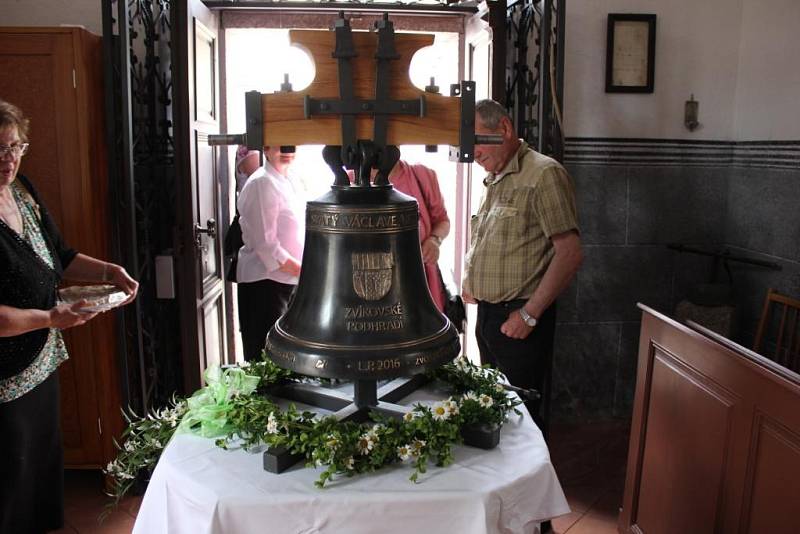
[{"x": 362, "y": 309}]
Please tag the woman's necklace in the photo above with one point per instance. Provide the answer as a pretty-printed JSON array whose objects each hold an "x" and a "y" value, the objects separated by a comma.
[{"x": 9, "y": 212}]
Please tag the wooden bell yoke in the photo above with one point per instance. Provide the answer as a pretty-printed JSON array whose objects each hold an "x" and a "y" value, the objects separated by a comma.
[{"x": 361, "y": 96}]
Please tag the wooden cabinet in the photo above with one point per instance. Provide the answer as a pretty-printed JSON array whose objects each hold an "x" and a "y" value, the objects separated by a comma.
[
  {"x": 55, "y": 76},
  {"x": 715, "y": 437}
]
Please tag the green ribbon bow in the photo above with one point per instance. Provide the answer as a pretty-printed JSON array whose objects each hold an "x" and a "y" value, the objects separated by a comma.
[{"x": 208, "y": 408}]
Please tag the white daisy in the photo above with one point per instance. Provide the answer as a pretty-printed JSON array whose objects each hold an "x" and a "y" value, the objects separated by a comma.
[
  {"x": 452, "y": 408},
  {"x": 373, "y": 436},
  {"x": 439, "y": 411},
  {"x": 366, "y": 443},
  {"x": 404, "y": 452},
  {"x": 485, "y": 400},
  {"x": 408, "y": 416},
  {"x": 272, "y": 424},
  {"x": 469, "y": 395}
]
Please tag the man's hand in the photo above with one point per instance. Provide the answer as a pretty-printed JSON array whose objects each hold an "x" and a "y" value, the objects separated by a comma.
[
  {"x": 469, "y": 299},
  {"x": 515, "y": 327}
]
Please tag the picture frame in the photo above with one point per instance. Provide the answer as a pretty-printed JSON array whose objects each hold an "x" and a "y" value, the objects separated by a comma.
[{"x": 630, "y": 53}]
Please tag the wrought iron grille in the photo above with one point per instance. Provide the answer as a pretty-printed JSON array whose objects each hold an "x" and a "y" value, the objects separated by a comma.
[
  {"x": 137, "y": 55},
  {"x": 535, "y": 72}
]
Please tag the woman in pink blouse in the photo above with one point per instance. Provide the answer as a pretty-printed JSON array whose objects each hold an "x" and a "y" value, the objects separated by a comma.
[{"x": 421, "y": 183}]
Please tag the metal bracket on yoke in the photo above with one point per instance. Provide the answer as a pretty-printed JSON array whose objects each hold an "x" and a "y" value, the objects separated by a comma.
[
  {"x": 383, "y": 55},
  {"x": 359, "y": 154},
  {"x": 467, "y": 138},
  {"x": 465, "y": 153},
  {"x": 434, "y": 89},
  {"x": 255, "y": 124},
  {"x": 348, "y": 108},
  {"x": 253, "y": 138},
  {"x": 344, "y": 52}
]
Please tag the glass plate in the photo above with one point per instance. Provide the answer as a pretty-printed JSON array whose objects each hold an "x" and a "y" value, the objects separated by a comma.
[{"x": 99, "y": 298}]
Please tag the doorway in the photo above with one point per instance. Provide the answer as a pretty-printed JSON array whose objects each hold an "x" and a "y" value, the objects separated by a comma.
[{"x": 443, "y": 64}]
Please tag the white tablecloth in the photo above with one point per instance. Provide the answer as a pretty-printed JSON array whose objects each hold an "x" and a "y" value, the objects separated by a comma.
[{"x": 199, "y": 488}]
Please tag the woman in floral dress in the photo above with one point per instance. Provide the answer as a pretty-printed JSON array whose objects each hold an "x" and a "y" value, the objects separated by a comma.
[{"x": 34, "y": 259}]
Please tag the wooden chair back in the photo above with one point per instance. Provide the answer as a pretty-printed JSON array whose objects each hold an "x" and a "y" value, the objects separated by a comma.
[{"x": 778, "y": 333}]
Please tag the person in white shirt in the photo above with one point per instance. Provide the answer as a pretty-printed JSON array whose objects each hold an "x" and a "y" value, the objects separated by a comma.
[
  {"x": 247, "y": 161},
  {"x": 272, "y": 216},
  {"x": 246, "y": 164}
]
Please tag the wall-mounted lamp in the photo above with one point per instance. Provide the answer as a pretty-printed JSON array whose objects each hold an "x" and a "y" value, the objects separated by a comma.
[{"x": 690, "y": 114}]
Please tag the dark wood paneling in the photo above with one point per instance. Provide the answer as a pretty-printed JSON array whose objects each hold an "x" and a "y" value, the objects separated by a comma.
[
  {"x": 715, "y": 437},
  {"x": 687, "y": 412},
  {"x": 775, "y": 466}
]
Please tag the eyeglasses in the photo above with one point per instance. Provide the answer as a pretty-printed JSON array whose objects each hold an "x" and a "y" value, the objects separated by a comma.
[{"x": 16, "y": 150}]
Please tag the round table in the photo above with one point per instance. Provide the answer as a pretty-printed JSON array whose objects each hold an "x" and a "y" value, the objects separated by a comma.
[{"x": 199, "y": 488}]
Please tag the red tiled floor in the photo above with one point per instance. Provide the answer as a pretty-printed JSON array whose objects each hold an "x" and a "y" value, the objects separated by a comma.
[
  {"x": 590, "y": 463},
  {"x": 589, "y": 459},
  {"x": 85, "y": 502},
  {"x": 563, "y": 523}
]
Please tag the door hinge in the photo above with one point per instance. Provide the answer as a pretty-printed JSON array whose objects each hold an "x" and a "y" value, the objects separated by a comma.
[
  {"x": 74, "y": 80},
  {"x": 99, "y": 427}
]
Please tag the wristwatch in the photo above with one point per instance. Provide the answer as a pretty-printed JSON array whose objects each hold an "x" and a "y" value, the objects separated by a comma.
[
  {"x": 529, "y": 319},
  {"x": 436, "y": 239}
]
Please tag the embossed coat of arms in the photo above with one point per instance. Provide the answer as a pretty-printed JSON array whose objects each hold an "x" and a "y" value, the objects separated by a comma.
[{"x": 372, "y": 274}]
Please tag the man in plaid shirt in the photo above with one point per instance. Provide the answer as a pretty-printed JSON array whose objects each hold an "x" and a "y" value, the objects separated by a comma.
[{"x": 525, "y": 249}]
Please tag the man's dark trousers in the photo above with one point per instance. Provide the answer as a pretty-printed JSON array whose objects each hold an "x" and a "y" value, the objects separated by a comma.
[{"x": 526, "y": 362}]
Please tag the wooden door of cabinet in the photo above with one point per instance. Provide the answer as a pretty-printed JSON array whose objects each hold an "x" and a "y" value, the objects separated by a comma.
[{"x": 55, "y": 76}]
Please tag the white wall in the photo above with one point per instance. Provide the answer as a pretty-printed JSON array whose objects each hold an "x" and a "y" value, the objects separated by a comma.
[
  {"x": 768, "y": 92},
  {"x": 738, "y": 57},
  {"x": 697, "y": 51},
  {"x": 86, "y": 13}
]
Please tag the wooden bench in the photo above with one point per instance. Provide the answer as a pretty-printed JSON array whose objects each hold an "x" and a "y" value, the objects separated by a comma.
[{"x": 715, "y": 436}]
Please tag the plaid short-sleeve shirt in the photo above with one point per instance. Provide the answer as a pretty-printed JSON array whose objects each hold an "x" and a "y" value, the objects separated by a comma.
[{"x": 524, "y": 205}]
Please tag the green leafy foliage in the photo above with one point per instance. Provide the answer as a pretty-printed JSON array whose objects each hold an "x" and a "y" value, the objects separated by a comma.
[
  {"x": 238, "y": 414},
  {"x": 142, "y": 443}
]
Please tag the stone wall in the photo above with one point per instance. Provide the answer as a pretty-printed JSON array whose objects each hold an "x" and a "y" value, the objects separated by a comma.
[
  {"x": 635, "y": 198},
  {"x": 644, "y": 180}
]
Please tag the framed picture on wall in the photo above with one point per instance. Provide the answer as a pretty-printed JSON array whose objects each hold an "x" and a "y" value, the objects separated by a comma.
[{"x": 630, "y": 53}]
